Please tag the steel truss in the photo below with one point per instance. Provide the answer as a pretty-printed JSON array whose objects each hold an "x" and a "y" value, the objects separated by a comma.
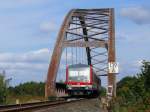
[{"x": 92, "y": 29}]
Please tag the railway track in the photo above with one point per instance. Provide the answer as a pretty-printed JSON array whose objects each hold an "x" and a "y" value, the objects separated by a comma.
[{"x": 36, "y": 105}]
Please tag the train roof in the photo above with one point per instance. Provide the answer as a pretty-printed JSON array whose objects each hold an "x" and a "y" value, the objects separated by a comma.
[{"x": 78, "y": 65}]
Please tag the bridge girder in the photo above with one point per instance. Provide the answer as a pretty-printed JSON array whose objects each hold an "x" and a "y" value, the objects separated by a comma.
[{"x": 96, "y": 30}]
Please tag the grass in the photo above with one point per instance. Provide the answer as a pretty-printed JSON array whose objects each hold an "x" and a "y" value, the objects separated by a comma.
[{"x": 24, "y": 99}]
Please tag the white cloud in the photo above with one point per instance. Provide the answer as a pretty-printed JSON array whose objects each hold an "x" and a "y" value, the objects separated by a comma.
[
  {"x": 23, "y": 66},
  {"x": 30, "y": 61},
  {"x": 41, "y": 55},
  {"x": 139, "y": 15},
  {"x": 48, "y": 26}
]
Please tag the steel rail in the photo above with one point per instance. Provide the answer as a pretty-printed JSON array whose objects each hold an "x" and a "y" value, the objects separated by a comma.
[
  {"x": 24, "y": 104},
  {"x": 34, "y": 106}
]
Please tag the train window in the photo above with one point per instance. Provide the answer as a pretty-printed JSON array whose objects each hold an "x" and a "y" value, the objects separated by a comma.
[{"x": 79, "y": 75}]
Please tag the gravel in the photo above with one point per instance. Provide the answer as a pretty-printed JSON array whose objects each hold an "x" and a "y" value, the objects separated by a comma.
[{"x": 92, "y": 105}]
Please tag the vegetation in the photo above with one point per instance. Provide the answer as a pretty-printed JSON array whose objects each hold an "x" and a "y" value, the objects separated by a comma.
[
  {"x": 103, "y": 92},
  {"x": 28, "y": 88},
  {"x": 27, "y": 92},
  {"x": 3, "y": 89},
  {"x": 134, "y": 92}
]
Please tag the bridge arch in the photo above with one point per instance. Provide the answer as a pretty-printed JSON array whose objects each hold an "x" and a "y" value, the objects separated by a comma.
[{"x": 96, "y": 31}]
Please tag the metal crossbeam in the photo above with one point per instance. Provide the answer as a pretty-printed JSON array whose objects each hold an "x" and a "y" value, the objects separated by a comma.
[{"x": 85, "y": 44}]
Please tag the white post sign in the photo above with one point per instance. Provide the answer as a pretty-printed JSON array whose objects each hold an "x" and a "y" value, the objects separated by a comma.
[
  {"x": 113, "y": 67},
  {"x": 109, "y": 92}
]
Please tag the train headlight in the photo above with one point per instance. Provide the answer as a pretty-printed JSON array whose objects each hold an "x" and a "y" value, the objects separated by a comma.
[
  {"x": 69, "y": 87},
  {"x": 86, "y": 87}
]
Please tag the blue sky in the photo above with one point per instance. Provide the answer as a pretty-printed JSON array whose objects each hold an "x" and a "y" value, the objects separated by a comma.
[{"x": 28, "y": 30}]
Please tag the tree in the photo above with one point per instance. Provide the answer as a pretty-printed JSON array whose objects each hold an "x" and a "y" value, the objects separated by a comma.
[
  {"x": 134, "y": 91},
  {"x": 28, "y": 88},
  {"x": 125, "y": 89},
  {"x": 3, "y": 89},
  {"x": 145, "y": 74}
]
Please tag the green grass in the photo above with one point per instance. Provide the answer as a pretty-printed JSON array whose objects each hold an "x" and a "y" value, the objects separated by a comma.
[{"x": 23, "y": 99}]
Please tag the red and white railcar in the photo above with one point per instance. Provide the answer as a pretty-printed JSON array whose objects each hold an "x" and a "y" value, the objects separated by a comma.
[{"x": 81, "y": 80}]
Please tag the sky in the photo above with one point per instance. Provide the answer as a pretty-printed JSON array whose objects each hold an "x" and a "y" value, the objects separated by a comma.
[{"x": 28, "y": 31}]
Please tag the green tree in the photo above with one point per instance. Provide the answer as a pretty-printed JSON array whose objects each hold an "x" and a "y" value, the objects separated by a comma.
[
  {"x": 134, "y": 91},
  {"x": 125, "y": 89},
  {"x": 145, "y": 74},
  {"x": 28, "y": 88},
  {"x": 3, "y": 89}
]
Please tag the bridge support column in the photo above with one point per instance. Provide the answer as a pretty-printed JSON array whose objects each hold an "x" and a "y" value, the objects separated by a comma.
[{"x": 111, "y": 52}]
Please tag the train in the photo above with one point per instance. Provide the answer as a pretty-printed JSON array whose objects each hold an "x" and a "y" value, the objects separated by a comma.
[{"x": 81, "y": 80}]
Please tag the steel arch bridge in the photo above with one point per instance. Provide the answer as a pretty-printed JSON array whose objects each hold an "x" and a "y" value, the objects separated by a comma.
[{"x": 92, "y": 30}]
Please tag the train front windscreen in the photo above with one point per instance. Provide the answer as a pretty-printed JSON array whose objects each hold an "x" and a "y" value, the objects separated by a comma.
[{"x": 79, "y": 75}]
